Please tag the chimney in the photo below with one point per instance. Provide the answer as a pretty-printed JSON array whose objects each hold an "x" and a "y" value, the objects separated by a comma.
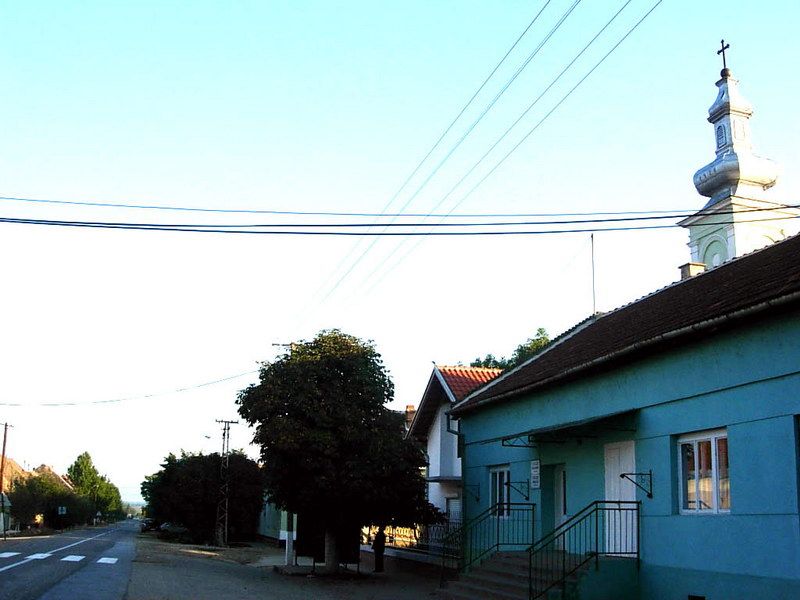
[
  {"x": 410, "y": 412},
  {"x": 691, "y": 269}
]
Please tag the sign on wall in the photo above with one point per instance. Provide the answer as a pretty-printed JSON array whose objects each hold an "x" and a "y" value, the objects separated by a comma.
[{"x": 536, "y": 467}]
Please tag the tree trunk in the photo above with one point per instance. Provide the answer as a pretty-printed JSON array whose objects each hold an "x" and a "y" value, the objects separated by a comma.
[{"x": 331, "y": 552}]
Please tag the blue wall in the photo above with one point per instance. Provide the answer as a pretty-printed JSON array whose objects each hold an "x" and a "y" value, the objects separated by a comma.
[{"x": 742, "y": 380}]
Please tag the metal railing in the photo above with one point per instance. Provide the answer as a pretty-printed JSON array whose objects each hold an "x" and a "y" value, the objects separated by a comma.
[
  {"x": 420, "y": 538},
  {"x": 503, "y": 525},
  {"x": 603, "y": 528}
]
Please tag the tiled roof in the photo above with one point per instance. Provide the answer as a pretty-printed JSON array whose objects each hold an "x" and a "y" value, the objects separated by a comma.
[
  {"x": 463, "y": 380},
  {"x": 458, "y": 381},
  {"x": 755, "y": 282}
]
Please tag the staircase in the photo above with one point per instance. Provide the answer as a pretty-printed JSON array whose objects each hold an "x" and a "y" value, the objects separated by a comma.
[
  {"x": 505, "y": 577},
  {"x": 552, "y": 567}
]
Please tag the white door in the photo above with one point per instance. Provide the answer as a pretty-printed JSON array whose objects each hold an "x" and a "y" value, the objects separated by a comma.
[
  {"x": 559, "y": 495},
  {"x": 453, "y": 510},
  {"x": 559, "y": 500},
  {"x": 620, "y": 522}
]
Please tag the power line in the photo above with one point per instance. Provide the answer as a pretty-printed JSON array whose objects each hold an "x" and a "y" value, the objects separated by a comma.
[
  {"x": 324, "y": 213},
  {"x": 416, "y": 169},
  {"x": 538, "y": 124},
  {"x": 129, "y": 398},
  {"x": 541, "y": 232},
  {"x": 559, "y": 103},
  {"x": 416, "y": 233},
  {"x": 356, "y": 225},
  {"x": 458, "y": 143},
  {"x": 491, "y": 104},
  {"x": 501, "y": 138}
]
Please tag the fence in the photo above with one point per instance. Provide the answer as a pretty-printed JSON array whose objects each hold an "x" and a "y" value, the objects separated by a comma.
[
  {"x": 420, "y": 538},
  {"x": 603, "y": 528}
]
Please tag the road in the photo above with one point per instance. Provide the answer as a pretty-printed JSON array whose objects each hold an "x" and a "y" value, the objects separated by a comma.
[{"x": 85, "y": 564}]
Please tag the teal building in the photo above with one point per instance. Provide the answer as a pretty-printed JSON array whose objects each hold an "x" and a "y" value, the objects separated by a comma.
[{"x": 657, "y": 445}]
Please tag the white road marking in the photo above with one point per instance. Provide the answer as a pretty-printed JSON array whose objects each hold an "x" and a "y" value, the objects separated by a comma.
[
  {"x": 107, "y": 561},
  {"x": 32, "y": 557},
  {"x": 73, "y": 558},
  {"x": 39, "y": 556},
  {"x": 8, "y": 554}
]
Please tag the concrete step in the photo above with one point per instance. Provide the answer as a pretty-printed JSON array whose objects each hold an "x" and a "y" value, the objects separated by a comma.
[
  {"x": 463, "y": 590},
  {"x": 504, "y": 576},
  {"x": 513, "y": 585}
]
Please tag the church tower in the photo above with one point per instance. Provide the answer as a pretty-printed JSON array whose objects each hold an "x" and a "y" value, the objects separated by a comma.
[{"x": 739, "y": 216}]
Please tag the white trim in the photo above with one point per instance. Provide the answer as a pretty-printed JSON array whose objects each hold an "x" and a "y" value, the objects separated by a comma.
[
  {"x": 704, "y": 243},
  {"x": 434, "y": 375},
  {"x": 446, "y": 387},
  {"x": 504, "y": 496},
  {"x": 703, "y": 435},
  {"x": 710, "y": 435}
]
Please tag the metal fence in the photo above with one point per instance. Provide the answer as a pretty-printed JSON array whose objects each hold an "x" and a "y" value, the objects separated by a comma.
[
  {"x": 421, "y": 538},
  {"x": 503, "y": 526},
  {"x": 603, "y": 528}
]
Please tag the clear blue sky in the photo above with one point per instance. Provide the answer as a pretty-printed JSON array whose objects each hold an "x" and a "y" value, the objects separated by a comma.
[{"x": 329, "y": 106}]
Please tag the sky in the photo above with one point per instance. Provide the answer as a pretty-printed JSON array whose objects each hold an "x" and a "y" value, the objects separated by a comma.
[{"x": 328, "y": 107}]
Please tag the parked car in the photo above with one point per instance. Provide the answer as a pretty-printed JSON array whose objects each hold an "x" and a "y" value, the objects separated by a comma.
[
  {"x": 148, "y": 525},
  {"x": 172, "y": 528}
]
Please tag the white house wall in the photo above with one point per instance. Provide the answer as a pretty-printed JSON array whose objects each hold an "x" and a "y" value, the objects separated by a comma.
[
  {"x": 442, "y": 448},
  {"x": 443, "y": 460}
]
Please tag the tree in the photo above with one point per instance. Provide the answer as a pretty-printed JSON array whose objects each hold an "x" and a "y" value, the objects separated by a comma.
[
  {"x": 329, "y": 445},
  {"x": 84, "y": 475},
  {"x": 43, "y": 494},
  {"x": 521, "y": 353},
  {"x": 90, "y": 484},
  {"x": 186, "y": 491},
  {"x": 107, "y": 499}
]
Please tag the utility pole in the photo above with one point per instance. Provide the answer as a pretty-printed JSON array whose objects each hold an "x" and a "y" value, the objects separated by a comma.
[
  {"x": 289, "y": 556},
  {"x": 221, "y": 529},
  {"x": 594, "y": 297},
  {"x": 2, "y": 473}
]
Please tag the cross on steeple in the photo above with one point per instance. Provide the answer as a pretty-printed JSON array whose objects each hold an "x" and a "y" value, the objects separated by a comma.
[{"x": 722, "y": 51}]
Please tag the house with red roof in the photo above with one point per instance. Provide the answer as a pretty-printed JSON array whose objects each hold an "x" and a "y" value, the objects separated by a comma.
[
  {"x": 653, "y": 451},
  {"x": 431, "y": 426}
]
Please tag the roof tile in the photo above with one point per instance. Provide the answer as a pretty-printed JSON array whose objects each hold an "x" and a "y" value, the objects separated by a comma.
[
  {"x": 742, "y": 283},
  {"x": 463, "y": 380}
]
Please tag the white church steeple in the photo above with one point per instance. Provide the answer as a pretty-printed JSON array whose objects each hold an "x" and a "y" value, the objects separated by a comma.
[{"x": 739, "y": 217}]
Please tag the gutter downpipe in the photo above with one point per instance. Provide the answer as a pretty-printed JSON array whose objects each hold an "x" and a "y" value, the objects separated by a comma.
[
  {"x": 696, "y": 327},
  {"x": 463, "y": 457}
]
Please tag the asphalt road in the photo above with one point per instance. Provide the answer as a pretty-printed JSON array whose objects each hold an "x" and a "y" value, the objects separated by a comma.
[{"x": 85, "y": 564}]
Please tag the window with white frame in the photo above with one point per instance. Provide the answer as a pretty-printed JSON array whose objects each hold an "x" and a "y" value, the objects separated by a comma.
[
  {"x": 704, "y": 472},
  {"x": 498, "y": 484}
]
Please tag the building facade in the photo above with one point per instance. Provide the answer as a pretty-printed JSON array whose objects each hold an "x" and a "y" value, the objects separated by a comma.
[
  {"x": 432, "y": 427},
  {"x": 667, "y": 432}
]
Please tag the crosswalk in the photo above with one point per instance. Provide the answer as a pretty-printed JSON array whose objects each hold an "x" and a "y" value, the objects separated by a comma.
[{"x": 103, "y": 560}]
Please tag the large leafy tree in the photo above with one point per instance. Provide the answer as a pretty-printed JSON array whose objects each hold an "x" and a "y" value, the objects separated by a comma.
[
  {"x": 329, "y": 445},
  {"x": 84, "y": 474},
  {"x": 187, "y": 489},
  {"x": 90, "y": 484},
  {"x": 521, "y": 353}
]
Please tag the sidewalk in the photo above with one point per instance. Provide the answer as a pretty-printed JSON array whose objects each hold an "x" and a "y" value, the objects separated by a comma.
[{"x": 167, "y": 571}]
